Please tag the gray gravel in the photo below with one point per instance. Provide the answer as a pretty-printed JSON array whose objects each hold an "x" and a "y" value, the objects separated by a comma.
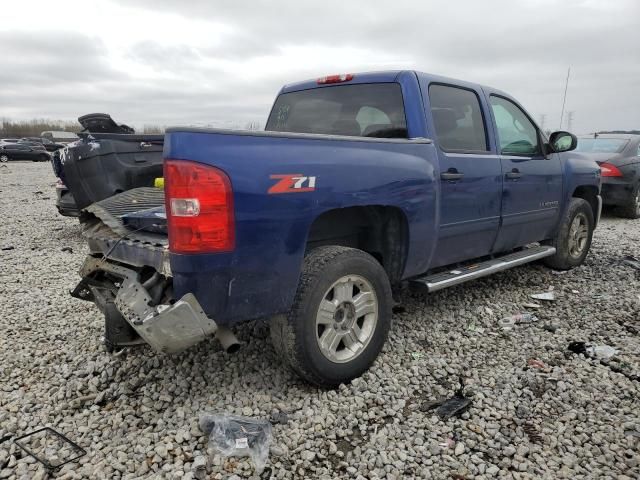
[{"x": 137, "y": 414}]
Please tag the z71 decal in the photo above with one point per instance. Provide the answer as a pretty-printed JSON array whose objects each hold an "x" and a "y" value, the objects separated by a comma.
[{"x": 292, "y": 183}]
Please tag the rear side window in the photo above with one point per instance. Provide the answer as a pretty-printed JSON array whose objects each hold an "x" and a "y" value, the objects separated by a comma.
[
  {"x": 364, "y": 110},
  {"x": 457, "y": 119},
  {"x": 601, "y": 145}
]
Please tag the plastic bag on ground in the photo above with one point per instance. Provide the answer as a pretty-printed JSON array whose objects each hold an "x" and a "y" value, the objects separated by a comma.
[{"x": 235, "y": 436}]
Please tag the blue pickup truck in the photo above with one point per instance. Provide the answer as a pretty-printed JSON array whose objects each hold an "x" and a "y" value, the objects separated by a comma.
[{"x": 360, "y": 183}]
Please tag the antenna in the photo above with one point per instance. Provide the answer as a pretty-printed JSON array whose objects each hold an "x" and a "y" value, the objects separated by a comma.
[{"x": 564, "y": 99}]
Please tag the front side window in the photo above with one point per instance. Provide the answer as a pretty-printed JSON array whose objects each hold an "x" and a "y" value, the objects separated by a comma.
[
  {"x": 362, "y": 110},
  {"x": 457, "y": 119},
  {"x": 516, "y": 133}
]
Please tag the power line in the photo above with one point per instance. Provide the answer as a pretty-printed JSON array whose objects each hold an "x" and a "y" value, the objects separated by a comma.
[{"x": 564, "y": 99}]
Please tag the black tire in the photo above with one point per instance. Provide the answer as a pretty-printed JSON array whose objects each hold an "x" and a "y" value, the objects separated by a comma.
[
  {"x": 4, "y": 158},
  {"x": 632, "y": 208},
  {"x": 566, "y": 256},
  {"x": 296, "y": 336}
]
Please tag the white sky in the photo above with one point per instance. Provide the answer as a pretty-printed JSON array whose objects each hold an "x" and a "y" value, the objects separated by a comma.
[{"x": 221, "y": 63}]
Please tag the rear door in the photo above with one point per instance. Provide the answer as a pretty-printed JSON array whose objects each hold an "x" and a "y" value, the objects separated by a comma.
[
  {"x": 470, "y": 173},
  {"x": 532, "y": 181}
]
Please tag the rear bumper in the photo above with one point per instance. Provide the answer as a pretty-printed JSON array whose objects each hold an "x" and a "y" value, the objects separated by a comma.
[
  {"x": 168, "y": 328},
  {"x": 616, "y": 192}
]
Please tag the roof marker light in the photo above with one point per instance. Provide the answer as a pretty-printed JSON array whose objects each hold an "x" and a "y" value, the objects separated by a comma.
[{"x": 345, "y": 77}]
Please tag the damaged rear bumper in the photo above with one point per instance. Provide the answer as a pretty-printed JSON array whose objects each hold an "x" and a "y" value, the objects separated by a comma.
[{"x": 168, "y": 328}]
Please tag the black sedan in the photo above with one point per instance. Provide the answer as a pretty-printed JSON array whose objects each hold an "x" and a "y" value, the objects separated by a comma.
[
  {"x": 45, "y": 142},
  {"x": 619, "y": 158},
  {"x": 23, "y": 151}
]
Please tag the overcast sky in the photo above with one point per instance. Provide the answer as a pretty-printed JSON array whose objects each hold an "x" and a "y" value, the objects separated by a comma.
[{"x": 201, "y": 62}]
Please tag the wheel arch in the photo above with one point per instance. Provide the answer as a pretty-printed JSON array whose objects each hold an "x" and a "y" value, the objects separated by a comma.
[
  {"x": 590, "y": 194},
  {"x": 380, "y": 230}
]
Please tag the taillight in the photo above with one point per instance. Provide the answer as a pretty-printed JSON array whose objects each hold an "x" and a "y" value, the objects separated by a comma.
[
  {"x": 608, "y": 170},
  {"x": 335, "y": 78},
  {"x": 199, "y": 204}
]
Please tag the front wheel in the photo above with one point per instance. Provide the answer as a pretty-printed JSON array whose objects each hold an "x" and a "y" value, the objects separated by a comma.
[
  {"x": 340, "y": 318},
  {"x": 4, "y": 158},
  {"x": 574, "y": 236}
]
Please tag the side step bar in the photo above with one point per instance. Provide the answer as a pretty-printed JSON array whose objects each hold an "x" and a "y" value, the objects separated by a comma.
[{"x": 438, "y": 281}]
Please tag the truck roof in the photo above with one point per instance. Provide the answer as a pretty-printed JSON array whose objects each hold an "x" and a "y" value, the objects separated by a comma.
[{"x": 381, "y": 77}]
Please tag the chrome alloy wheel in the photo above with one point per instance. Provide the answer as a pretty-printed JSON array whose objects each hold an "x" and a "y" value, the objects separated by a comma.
[{"x": 346, "y": 318}]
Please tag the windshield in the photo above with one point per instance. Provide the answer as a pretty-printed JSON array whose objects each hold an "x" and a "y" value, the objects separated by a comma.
[
  {"x": 364, "y": 110},
  {"x": 601, "y": 145}
]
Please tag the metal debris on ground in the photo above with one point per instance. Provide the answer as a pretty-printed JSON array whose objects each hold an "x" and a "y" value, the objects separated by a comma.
[
  {"x": 631, "y": 261},
  {"x": 531, "y": 305},
  {"x": 546, "y": 296},
  {"x": 49, "y": 447},
  {"x": 235, "y": 436},
  {"x": 508, "y": 323},
  {"x": 8, "y": 248}
]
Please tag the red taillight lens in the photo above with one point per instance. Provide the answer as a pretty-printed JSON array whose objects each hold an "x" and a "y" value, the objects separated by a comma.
[
  {"x": 199, "y": 203},
  {"x": 335, "y": 78},
  {"x": 608, "y": 170}
]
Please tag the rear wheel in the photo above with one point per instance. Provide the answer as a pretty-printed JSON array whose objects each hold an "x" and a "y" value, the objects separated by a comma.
[
  {"x": 4, "y": 158},
  {"x": 340, "y": 318},
  {"x": 632, "y": 208},
  {"x": 574, "y": 236}
]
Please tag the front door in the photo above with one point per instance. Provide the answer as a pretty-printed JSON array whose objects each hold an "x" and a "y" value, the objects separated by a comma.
[
  {"x": 532, "y": 191},
  {"x": 470, "y": 175}
]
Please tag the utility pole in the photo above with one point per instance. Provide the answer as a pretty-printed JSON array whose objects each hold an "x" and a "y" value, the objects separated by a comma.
[
  {"x": 543, "y": 117},
  {"x": 570, "y": 120},
  {"x": 564, "y": 98}
]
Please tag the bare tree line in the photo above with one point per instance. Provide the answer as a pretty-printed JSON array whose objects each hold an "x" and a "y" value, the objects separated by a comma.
[{"x": 34, "y": 127}]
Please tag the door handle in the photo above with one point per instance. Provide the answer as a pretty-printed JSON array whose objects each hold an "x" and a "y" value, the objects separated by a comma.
[
  {"x": 451, "y": 174},
  {"x": 513, "y": 174}
]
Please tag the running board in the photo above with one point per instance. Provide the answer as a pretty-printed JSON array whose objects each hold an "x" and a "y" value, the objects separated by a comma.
[{"x": 438, "y": 281}]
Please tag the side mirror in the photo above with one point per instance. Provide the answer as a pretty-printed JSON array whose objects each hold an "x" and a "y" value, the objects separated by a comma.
[{"x": 562, "y": 141}]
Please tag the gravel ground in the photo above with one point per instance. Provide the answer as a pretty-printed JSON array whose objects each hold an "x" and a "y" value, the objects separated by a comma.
[{"x": 137, "y": 414}]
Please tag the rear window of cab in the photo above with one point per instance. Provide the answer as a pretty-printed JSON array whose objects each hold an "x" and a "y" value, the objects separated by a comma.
[{"x": 362, "y": 110}]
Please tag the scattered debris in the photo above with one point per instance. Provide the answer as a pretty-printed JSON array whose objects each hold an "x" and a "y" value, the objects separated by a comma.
[
  {"x": 631, "y": 261},
  {"x": 559, "y": 272},
  {"x": 38, "y": 192},
  {"x": 632, "y": 433},
  {"x": 576, "y": 292},
  {"x": 417, "y": 355},
  {"x": 531, "y": 305},
  {"x": 453, "y": 406},
  {"x": 508, "y": 323},
  {"x": 532, "y": 432},
  {"x": 448, "y": 443},
  {"x": 578, "y": 348},
  {"x": 550, "y": 328},
  {"x": 279, "y": 418},
  {"x": 8, "y": 248},
  {"x": 431, "y": 404},
  {"x": 236, "y": 436},
  {"x": 66, "y": 249},
  {"x": 472, "y": 327},
  {"x": 532, "y": 362},
  {"x": 546, "y": 296},
  {"x": 49, "y": 447},
  {"x": 602, "y": 352}
]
